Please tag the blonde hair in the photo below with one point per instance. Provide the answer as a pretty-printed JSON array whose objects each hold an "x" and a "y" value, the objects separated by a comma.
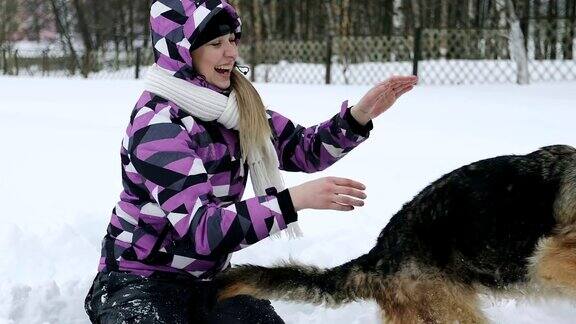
[{"x": 253, "y": 125}]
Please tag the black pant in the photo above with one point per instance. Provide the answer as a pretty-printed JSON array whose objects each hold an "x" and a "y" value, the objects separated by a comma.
[{"x": 117, "y": 297}]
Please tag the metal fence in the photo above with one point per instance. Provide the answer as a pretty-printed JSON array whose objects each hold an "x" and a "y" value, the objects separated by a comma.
[
  {"x": 437, "y": 56},
  {"x": 57, "y": 63}
]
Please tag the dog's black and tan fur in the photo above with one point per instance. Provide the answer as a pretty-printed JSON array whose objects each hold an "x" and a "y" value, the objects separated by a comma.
[{"x": 498, "y": 225}]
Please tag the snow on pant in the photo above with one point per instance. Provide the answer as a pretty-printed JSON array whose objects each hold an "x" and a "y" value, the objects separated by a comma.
[{"x": 117, "y": 297}]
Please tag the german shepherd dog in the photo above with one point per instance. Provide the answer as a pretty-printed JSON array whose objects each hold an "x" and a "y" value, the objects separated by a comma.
[{"x": 504, "y": 225}]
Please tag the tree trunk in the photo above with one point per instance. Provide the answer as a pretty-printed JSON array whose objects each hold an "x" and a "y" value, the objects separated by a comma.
[
  {"x": 144, "y": 17},
  {"x": 8, "y": 20},
  {"x": 97, "y": 25},
  {"x": 538, "y": 32},
  {"x": 345, "y": 15},
  {"x": 130, "y": 27},
  {"x": 64, "y": 32},
  {"x": 266, "y": 32},
  {"x": 86, "y": 38},
  {"x": 552, "y": 30},
  {"x": 444, "y": 11},
  {"x": 363, "y": 20},
  {"x": 388, "y": 17},
  {"x": 273, "y": 19},
  {"x": 417, "y": 14},
  {"x": 570, "y": 30},
  {"x": 516, "y": 45}
]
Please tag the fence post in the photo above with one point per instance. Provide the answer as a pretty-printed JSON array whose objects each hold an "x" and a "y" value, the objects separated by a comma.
[
  {"x": 329, "y": 58},
  {"x": 253, "y": 60},
  {"x": 16, "y": 62},
  {"x": 137, "y": 63},
  {"x": 45, "y": 62},
  {"x": 4, "y": 63},
  {"x": 417, "y": 50}
]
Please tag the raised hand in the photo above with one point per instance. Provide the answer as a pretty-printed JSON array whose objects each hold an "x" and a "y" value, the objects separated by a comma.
[{"x": 381, "y": 97}]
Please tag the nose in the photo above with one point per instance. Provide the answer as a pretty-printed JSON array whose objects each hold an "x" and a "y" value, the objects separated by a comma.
[{"x": 231, "y": 50}]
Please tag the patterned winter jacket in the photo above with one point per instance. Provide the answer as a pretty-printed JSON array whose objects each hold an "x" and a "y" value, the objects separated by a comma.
[{"x": 181, "y": 209}]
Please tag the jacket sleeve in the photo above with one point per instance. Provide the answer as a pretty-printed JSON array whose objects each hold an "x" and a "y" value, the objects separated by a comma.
[
  {"x": 176, "y": 179},
  {"x": 316, "y": 148}
]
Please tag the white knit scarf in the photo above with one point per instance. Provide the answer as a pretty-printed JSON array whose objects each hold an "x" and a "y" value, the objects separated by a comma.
[{"x": 209, "y": 105}]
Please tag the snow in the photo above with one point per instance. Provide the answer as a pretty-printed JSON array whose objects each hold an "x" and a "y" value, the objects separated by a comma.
[{"x": 60, "y": 178}]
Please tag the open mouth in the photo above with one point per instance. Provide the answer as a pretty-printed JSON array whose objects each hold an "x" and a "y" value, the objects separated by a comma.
[{"x": 223, "y": 71}]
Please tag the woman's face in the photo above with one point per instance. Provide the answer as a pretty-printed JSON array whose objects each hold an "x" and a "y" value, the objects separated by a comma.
[{"x": 215, "y": 60}]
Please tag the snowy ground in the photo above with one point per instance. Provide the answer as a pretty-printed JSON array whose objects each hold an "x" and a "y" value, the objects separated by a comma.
[{"x": 60, "y": 178}]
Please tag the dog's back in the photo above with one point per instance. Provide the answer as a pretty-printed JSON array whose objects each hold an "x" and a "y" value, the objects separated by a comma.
[
  {"x": 495, "y": 223},
  {"x": 482, "y": 221}
]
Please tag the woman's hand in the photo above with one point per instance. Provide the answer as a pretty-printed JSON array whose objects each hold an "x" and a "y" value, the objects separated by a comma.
[
  {"x": 381, "y": 97},
  {"x": 328, "y": 193}
]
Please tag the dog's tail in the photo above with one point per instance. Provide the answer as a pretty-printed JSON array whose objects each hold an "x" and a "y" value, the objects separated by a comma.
[{"x": 293, "y": 282}]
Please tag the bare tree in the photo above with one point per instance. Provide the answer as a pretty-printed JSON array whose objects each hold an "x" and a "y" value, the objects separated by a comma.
[
  {"x": 266, "y": 19},
  {"x": 61, "y": 14},
  {"x": 552, "y": 30},
  {"x": 86, "y": 36},
  {"x": 516, "y": 43},
  {"x": 333, "y": 12},
  {"x": 8, "y": 20},
  {"x": 570, "y": 34}
]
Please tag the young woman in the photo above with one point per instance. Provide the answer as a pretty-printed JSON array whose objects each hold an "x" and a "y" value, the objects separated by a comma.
[{"x": 194, "y": 136}]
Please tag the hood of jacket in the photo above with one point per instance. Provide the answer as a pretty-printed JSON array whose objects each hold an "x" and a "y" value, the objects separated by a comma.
[{"x": 175, "y": 26}]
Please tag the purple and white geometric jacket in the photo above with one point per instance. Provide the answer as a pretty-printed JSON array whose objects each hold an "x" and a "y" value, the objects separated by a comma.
[{"x": 181, "y": 210}]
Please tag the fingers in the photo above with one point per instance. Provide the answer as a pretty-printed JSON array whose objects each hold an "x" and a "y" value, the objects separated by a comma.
[
  {"x": 397, "y": 85},
  {"x": 348, "y": 183},
  {"x": 404, "y": 79},
  {"x": 398, "y": 79},
  {"x": 347, "y": 201},
  {"x": 328, "y": 193},
  {"x": 396, "y": 82},
  {"x": 349, "y": 191},
  {"x": 403, "y": 90},
  {"x": 345, "y": 194}
]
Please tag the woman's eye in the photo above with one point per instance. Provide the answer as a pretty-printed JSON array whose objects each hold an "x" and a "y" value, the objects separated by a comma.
[{"x": 215, "y": 44}]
